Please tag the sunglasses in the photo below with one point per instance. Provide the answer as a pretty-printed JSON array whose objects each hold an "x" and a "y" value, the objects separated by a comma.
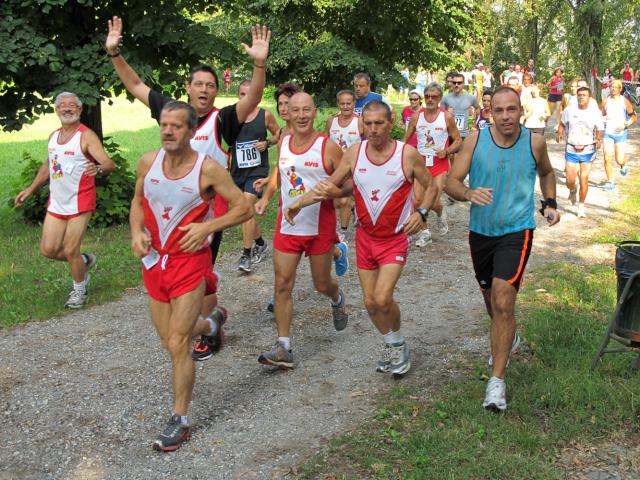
[
  {"x": 457, "y": 83},
  {"x": 415, "y": 99},
  {"x": 431, "y": 97}
]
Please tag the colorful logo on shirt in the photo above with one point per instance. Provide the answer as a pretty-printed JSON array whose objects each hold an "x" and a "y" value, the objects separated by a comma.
[
  {"x": 374, "y": 195},
  {"x": 430, "y": 140},
  {"x": 297, "y": 185},
  {"x": 165, "y": 214},
  {"x": 57, "y": 168}
]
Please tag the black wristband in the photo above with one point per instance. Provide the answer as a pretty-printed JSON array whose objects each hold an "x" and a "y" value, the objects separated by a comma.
[
  {"x": 114, "y": 55},
  {"x": 549, "y": 202}
]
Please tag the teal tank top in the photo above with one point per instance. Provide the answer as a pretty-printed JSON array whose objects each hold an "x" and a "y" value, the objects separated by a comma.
[{"x": 511, "y": 172}]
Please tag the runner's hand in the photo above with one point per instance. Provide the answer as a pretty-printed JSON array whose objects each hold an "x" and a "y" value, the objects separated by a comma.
[
  {"x": 325, "y": 190},
  {"x": 114, "y": 35},
  {"x": 140, "y": 244},
  {"x": 413, "y": 224},
  {"x": 260, "y": 206},
  {"x": 259, "y": 184},
  {"x": 194, "y": 238},
  {"x": 441, "y": 153},
  {"x": 91, "y": 170},
  {"x": 259, "y": 49},
  {"x": 480, "y": 196},
  {"x": 552, "y": 215},
  {"x": 21, "y": 197},
  {"x": 261, "y": 146},
  {"x": 291, "y": 212}
]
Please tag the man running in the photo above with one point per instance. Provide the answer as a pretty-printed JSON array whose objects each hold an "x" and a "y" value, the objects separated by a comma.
[
  {"x": 76, "y": 156},
  {"x": 619, "y": 115},
  {"x": 364, "y": 95},
  {"x": 383, "y": 172},
  {"x": 306, "y": 157},
  {"x": 170, "y": 226},
  {"x": 502, "y": 219},
  {"x": 584, "y": 127},
  {"x": 434, "y": 128},
  {"x": 249, "y": 162},
  {"x": 458, "y": 103}
]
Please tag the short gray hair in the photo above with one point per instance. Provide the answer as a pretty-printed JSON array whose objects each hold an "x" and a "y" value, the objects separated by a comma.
[
  {"x": 192, "y": 116},
  {"x": 377, "y": 105},
  {"x": 346, "y": 92},
  {"x": 434, "y": 86},
  {"x": 62, "y": 95},
  {"x": 362, "y": 76}
]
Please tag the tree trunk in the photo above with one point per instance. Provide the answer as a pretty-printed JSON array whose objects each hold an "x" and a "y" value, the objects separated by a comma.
[{"x": 92, "y": 118}]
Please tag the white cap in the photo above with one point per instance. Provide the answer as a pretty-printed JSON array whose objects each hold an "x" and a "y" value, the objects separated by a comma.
[{"x": 416, "y": 91}]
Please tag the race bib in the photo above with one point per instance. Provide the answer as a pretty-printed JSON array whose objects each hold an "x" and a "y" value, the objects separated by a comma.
[
  {"x": 247, "y": 154},
  {"x": 428, "y": 160},
  {"x": 461, "y": 122},
  {"x": 151, "y": 259}
]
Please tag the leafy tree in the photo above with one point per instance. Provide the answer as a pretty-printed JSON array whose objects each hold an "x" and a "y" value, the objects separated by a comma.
[{"x": 48, "y": 46}]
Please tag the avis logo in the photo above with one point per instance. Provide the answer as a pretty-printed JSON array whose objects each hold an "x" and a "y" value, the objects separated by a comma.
[
  {"x": 69, "y": 152},
  {"x": 165, "y": 215},
  {"x": 374, "y": 195},
  {"x": 201, "y": 137},
  {"x": 311, "y": 164}
]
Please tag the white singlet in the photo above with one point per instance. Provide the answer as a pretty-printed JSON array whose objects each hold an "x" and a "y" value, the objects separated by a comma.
[
  {"x": 432, "y": 136},
  {"x": 345, "y": 136},
  {"x": 382, "y": 192},
  {"x": 71, "y": 192},
  {"x": 299, "y": 173},
  {"x": 171, "y": 203},
  {"x": 615, "y": 115},
  {"x": 206, "y": 141}
]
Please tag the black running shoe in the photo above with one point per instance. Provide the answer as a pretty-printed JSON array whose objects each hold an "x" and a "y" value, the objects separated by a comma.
[
  {"x": 208, "y": 345},
  {"x": 172, "y": 436}
]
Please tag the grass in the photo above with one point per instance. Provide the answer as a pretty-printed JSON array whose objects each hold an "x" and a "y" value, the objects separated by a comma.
[{"x": 554, "y": 398}]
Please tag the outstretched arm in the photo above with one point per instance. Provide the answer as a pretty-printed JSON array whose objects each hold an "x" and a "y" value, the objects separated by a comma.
[
  {"x": 258, "y": 51},
  {"x": 129, "y": 77}
]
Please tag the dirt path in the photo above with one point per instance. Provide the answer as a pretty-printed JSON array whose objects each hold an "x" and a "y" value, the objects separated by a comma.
[{"x": 84, "y": 395}]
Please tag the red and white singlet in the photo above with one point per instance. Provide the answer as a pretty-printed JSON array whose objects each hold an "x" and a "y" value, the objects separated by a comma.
[
  {"x": 432, "y": 136},
  {"x": 71, "y": 192},
  {"x": 382, "y": 193},
  {"x": 171, "y": 203},
  {"x": 299, "y": 173},
  {"x": 345, "y": 136},
  {"x": 206, "y": 141}
]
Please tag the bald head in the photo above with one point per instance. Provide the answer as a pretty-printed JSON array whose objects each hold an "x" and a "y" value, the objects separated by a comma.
[
  {"x": 302, "y": 112},
  {"x": 302, "y": 99}
]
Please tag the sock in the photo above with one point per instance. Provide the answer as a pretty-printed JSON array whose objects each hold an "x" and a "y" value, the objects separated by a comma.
[
  {"x": 247, "y": 252},
  {"x": 85, "y": 258},
  {"x": 183, "y": 419},
  {"x": 286, "y": 341},
  {"x": 259, "y": 241},
  {"x": 339, "y": 301},
  {"x": 80, "y": 286},
  {"x": 393, "y": 337},
  {"x": 212, "y": 325}
]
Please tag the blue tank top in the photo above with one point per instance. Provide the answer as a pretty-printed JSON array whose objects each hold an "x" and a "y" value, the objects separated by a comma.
[{"x": 511, "y": 172}]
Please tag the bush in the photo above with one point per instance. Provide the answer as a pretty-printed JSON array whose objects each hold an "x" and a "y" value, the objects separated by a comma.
[{"x": 113, "y": 192}]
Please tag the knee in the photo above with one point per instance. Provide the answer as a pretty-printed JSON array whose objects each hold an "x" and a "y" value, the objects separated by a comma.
[
  {"x": 48, "y": 251},
  {"x": 502, "y": 307},
  {"x": 71, "y": 251},
  {"x": 283, "y": 285},
  {"x": 322, "y": 285},
  {"x": 176, "y": 345},
  {"x": 377, "y": 303}
]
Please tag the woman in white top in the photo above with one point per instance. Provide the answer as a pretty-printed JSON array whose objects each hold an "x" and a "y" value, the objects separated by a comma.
[
  {"x": 606, "y": 81},
  {"x": 536, "y": 111}
]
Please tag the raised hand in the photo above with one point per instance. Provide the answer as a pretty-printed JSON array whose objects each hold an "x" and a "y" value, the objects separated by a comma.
[
  {"x": 114, "y": 35},
  {"x": 259, "y": 49}
]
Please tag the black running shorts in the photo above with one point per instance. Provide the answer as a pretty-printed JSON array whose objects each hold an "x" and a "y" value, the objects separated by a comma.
[{"x": 502, "y": 257}]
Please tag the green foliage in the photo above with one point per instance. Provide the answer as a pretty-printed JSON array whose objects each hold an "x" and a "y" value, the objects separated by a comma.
[
  {"x": 47, "y": 46},
  {"x": 113, "y": 192}
]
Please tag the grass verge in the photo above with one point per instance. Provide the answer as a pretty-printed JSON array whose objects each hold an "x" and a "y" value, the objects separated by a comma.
[{"x": 553, "y": 397}]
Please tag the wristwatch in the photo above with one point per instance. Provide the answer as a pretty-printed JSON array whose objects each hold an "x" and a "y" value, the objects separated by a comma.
[{"x": 423, "y": 213}]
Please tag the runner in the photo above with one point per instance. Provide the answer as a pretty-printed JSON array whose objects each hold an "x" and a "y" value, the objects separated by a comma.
[
  {"x": 530, "y": 69},
  {"x": 202, "y": 88},
  {"x": 487, "y": 79},
  {"x": 458, "y": 103},
  {"x": 484, "y": 120},
  {"x": 249, "y": 162},
  {"x": 525, "y": 89},
  {"x": 415, "y": 103},
  {"x": 434, "y": 126},
  {"x": 169, "y": 232},
  {"x": 364, "y": 95},
  {"x": 536, "y": 112},
  {"x": 556, "y": 85},
  {"x": 345, "y": 129},
  {"x": 618, "y": 117},
  {"x": 584, "y": 126},
  {"x": 606, "y": 82},
  {"x": 477, "y": 76},
  {"x": 76, "y": 156},
  {"x": 504, "y": 76},
  {"x": 306, "y": 157},
  {"x": 382, "y": 184},
  {"x": 502, "y": 219}
]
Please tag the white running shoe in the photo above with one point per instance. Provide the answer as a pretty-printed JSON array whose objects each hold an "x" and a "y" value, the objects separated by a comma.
[
  {"x": 581, "y": 211},
  {"x": 424, "y": 238},
  {"x": 400, "y": 361},
  {"x": 496, "y": 396},
  {"x": 514, "y": 347},
  {"x": 77, "y": 298},
  {"x": 443, "y": 225}
]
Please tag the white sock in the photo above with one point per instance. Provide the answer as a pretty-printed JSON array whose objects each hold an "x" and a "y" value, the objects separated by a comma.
[
  {"x": 183, "y": 419},
  {"x": 80, "y": 286},
  {"x": 213, "y": 326},
  {"x": 336, "y": 303},
  {"x": 286, "y": 341},
  {"x": 393, "y": 337}
]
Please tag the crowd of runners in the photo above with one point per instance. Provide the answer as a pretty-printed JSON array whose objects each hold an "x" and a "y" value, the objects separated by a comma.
[{"x": 469, "y": 146}]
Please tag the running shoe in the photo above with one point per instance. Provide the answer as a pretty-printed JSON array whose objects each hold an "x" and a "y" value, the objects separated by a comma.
[
  {"x": 610, "y": 186},
  {"x": 424, "y": 238},
  {"x": 208, "y": 345},
  {"x": 172, "y": 436},
  {"x": 342, "y": 263},
  {"x": 259, "y": 253},
  {"x": 495, "y": 398},
  {"x": 400, "y": 361},
  {"x": 442, "y": 224},
  {"x": 278, "y": 357},
  {"x": 244, "y": 265},
  {"x": 270, "y": 305},
  {"x": 340, "y": 315},
  {"x": 581, "y": 211},
  {"x": 89, "y": 262},
  {"x": 384, "y": 364},
  {"x": 514, "y": 347},
  {"x": 624, "y": 170},
  {"x": 572, "y": 196},
  {"x": 77, "y": 298}
]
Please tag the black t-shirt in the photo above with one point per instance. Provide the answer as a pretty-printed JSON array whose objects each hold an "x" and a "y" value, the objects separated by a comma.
[{"x": 227, "y": 124}]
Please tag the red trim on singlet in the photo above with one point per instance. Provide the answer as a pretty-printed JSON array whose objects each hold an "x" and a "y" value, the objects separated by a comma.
[
  {"x": 324, "y": 165},
  {"x": 402, "y": 163},
  {"x": 306, "y": 149},
  {"x": 395, "y": 146},
  {"x": 179, "y": 178},
  {"x": 80, "y": 128},
  {"x": 211, "y": 112}
]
